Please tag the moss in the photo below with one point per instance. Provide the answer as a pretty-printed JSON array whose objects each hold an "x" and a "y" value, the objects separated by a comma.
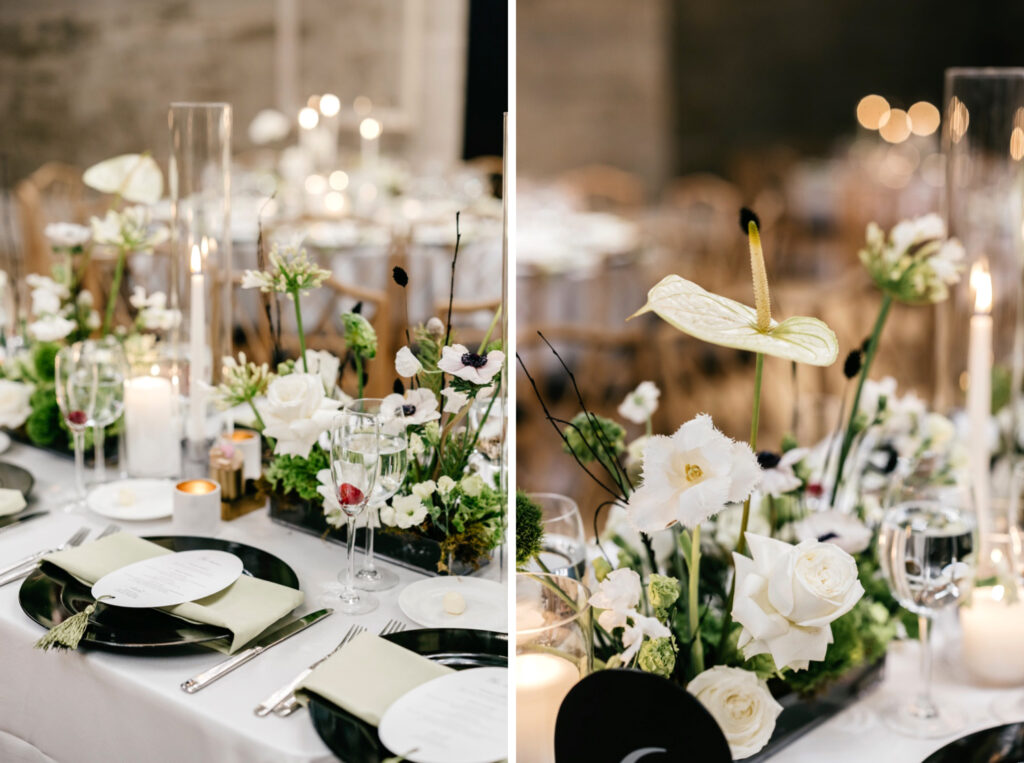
[{"x": 529, "y": 529}]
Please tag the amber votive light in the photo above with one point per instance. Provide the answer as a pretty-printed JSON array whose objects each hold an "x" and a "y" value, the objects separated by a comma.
[{"x": 197, "y": 507}]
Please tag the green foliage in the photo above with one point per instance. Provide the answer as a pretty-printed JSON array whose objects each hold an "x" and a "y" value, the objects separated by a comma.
[
  {"x": 43, "y": 425},
  {"x": 529, "y": 529},
  {"x": 44, "y": 357},
  {"x": 291, "y": 474}
]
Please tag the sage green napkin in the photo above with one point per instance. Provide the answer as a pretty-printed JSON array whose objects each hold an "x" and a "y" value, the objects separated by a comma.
[
  {"x": 368, "y": 674},
  {"x": 247, "y": 607}
]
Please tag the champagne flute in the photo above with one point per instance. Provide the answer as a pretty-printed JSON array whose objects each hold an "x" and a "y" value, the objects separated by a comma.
[
  {"x": 108, "y": 357},
  {"x": 391, "y": 469},
  {"x": 926, "y": 550},
  {"x": 76, "y": 383},
  {"x": 355, "y": 445}
]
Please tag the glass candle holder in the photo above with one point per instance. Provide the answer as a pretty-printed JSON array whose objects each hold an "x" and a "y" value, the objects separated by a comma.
[
  {"x": 152, "y": 420},
  {"x": 554, "y": 650},
  {"x": 564, "y": 546}
]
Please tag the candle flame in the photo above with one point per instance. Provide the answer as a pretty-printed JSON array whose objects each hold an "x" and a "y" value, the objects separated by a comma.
[
  {"x": 197, "y": 487},
  {"x": 981, "y": 283},
  {"x": 196, "y": 260},
  {"x": 154, "y": 370},
  {"x": 370, "y": 128}
]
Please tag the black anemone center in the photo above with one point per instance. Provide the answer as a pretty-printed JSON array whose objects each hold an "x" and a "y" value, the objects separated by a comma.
[
  {"x": 768, "y": 460},
  {"x": 474, "y": 360},
  {"x": 827, "y": 537},
  {"x": 408, "y": 410}
]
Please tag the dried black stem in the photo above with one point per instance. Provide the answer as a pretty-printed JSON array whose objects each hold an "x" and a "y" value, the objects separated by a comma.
[
  {"x": 451, "y": 287},
  {"x": 268, "y": 302}
]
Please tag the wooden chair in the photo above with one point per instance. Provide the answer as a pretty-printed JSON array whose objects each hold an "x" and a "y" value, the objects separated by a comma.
[{"x": 601, "y": 187}]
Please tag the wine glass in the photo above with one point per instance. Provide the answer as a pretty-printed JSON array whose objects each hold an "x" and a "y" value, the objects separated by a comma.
[
  {"x": 926, "y": 549},
  {"x": 76, "y": 383},
  {"x": 392, "y": 466},
  {"x": 108, "y": 357},
  {"x": 355, "y": 445},
  {"x": 564, "y": 546}
]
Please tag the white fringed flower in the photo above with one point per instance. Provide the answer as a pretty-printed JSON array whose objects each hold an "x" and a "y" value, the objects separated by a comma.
[
  {"x": 641, "y": 403},
  {"x": 618, "y": 595},
  {"x": 67, "y": 235},
  {"x": 838, "y": 527},
  {"x": 407, "y": 365},
  {"x": 691, "y": 476},
  {"x": 296, "y": 412},
  {"x": 14, "y": 403},
  {"x": 787, "y": 596},
  {"x": 741, "y": 704},
  {"x": 418, "y": 406},
  {"x": 470, "y": 366}
]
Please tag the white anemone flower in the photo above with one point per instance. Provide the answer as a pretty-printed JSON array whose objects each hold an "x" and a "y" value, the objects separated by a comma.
[
  {"x": 838, "y": 527},
  {"x": 691, "y": 476},
  {"x": 407, "y": 365},
  {"x": 454, "y": 401},
  {"x": 641, "y": 403},
  {"x": 418, "y": 406},
  {"x": 779, "y": 477},
  {"x": 471, "y": 366},
  {"x": 618, "y": 595}
]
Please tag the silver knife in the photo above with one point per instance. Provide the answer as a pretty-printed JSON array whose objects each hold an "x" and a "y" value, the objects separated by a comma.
[
  {"x": 14, "y": 519},
  {"x": 276, "y": 636}
]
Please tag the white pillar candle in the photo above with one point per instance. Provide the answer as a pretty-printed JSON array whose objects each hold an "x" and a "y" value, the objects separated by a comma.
[
  {"x": 197, "y": 375},
  {"x": 979, "y": 400},
  {"x": 197, "y": 507},
  {"x": 250, "y": 444},
  {"x": 152, "y": 430},
  {"x": 542, "y": 681},
  {"x": 993, "y": 637}
]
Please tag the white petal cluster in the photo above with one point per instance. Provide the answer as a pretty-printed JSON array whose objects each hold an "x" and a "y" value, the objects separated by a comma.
[
  {"x": 641, "y": 403},
  {"x": 404, "y": 512},
  {"x": 407, "y": 365},
  {"x": 291, "y": 270},
  {"x": 916, "y": 263},
  {"x": 129, "y": 230},
  {"x": 154, "y": 315},
  {"x": 67, "y": 235},
  {"x": 618, "y": 596}
]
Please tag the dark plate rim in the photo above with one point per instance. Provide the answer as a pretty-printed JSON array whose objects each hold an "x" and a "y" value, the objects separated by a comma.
[
  {"x": 955, "y": 747},
  {"x": 31, "y": 479}
]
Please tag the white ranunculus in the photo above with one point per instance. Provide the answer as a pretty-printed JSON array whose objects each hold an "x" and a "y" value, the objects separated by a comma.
[
  {"x": 691, "y": 476},
  {"x": 418, "y": 406},
  {"x": 641, "y": 403},
  {"x": 296, "y": 411},
  {"x": 454, "y": 401},
  {"x": 67, "y": 235},
  {"x": 407, "y": 365},
  {"x": 741, "y": 704},
  {"x": 787, "y": 596},
  {"x": 14, "y": 403},
  {"x": 837, "y": 527},
  {"x": 52, "y": 328},
  {"x": 618, "y": 595},
  {"x": 322, "y": 364}
]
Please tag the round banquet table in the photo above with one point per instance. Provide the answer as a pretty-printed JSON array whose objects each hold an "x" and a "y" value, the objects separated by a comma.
[{"x": 92, "y": 705}]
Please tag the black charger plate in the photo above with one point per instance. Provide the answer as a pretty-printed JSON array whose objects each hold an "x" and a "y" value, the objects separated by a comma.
[
  {"x": 999, "y": 744},
  {"x": 355, "y": 741},
  {"x": 49, "y": 596}
]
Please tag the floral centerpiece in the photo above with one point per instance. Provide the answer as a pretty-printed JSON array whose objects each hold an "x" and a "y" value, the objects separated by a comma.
[
  {"x": 444, "y": 501},
  {"x": 735, "y": 572}
]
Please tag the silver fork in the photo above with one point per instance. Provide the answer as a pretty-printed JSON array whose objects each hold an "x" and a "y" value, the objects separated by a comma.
[
  {"x": 287, "y": 691},
  {"x": 109, "y": 530},
  {"x": 23, "y": 567},
  {"x": 291, "y": 703}
]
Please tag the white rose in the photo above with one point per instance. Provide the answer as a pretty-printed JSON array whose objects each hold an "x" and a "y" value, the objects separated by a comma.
[
  {"x": 296, "y": 412},
  {"x": 406, "y": 364},
  {"x": 786, "y": 597},
  {"x": 424, "y": 490},
  {"x": 741, "y": 705},
  {"x": 50, "y": 329},
  {"x": 14, "y": 405}
]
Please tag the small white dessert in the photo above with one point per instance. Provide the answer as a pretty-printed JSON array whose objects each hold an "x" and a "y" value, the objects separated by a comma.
[
  {"x": 11, "y": 501},
  {"x": 125, "y": 497},
  {"x": 454, "y": 603}
]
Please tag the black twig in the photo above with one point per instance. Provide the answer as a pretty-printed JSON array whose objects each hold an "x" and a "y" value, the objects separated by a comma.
[
  {"x": 451, "y": 287},
  {"x": 268, "y": 303}
]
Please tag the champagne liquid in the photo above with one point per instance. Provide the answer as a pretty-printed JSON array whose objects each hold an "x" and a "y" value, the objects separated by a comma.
[
  {"x": 392, "y": 463},
  {"x": 926, "y": 554},
  {"x": 109, "y": 398}
]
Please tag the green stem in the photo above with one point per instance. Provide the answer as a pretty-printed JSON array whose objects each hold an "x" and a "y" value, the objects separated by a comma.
[
  {"x": 256, "y": 413},
  {"x": 869, "y": 356},
  {"x": 650, "y": 427},
  {"x": 490, "y": 330},
  {"x": 302, "y": 334},
  {"x": 115, "y": 289},
  {"x": 359, "y": 376},
  {"x": 697, "y": 652}
]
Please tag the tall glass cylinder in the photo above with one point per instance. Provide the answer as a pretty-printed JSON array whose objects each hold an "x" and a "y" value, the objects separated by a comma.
[
  {"x": 979, "y": 329},
  {"x": 200, "y": 186},
  {"x": 554, "y": 650}
]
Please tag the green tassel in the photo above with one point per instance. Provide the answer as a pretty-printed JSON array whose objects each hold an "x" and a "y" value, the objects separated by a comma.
[{"x": 66, "y": 635}]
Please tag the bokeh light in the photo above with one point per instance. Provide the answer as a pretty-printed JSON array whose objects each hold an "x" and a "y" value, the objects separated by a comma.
[
  {"x": 924, "y": 118},
  {"x": 872, "y": 111},
  {"x": 897, "y": 127},
  {"x": 330, "y": 104},
  {"x": 308, "y": 118}
]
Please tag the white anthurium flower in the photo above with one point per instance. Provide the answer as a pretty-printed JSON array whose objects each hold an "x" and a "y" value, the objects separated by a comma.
[
  {"x": 325, "y": 365},
  {"x": 404, "y": 512},
  {"x": 407, "y": 365},
  {"x": 14, "y": 403},
  {"x": 67, "y": 235},
  {"x": 470, "y": 366},
  {"x": 691, "y": 476},
  {"x": 618, "y": 595},
  {"x": 296, "y": 412},
  {"x": 787, "y": 596},
  {"x": 418, "y": 406},
  {"x": 741, "y": 704},
  {"x": 838, "y": 527},
  {"x": 641, "y": 403},
  {"x": 135, "y": 177},
  {"x": 728, "y": 323},
  {"x": 778, "y": 476},
  {"x": 454, "y": 401},
  {"x": 52, "y": 328},
  {"x": 639, "y": 628}
]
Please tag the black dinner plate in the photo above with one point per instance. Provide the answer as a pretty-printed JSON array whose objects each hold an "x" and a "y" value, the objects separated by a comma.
[
  {"x": 16, "y": 478},
  {"x": 355, "y": 741},
  {"x": 50, "y": 595},
  {"x": 999, "y": 744}
]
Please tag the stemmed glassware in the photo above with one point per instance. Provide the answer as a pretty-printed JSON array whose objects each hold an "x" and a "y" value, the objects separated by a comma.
[
  {"x": 564, "y": 546},
  {"x": 391, "y": 469},
  {"x": 76, "y": 383},
  {"x": 108, "y": 357},
  {"x": 355, "y": 445},
  {"x": 926, "y": 549}
]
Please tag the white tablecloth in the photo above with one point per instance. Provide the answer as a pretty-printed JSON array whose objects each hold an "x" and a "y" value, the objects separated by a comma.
[{"x": 101, "y": 706}]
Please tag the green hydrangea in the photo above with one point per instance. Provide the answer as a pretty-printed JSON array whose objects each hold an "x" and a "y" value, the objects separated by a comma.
[
  {"x": 658, "y": 656},
  {"x": 662, "y": 592},
  {"x": 359, "y": 335},
  {"x": 585, "y": 440}
]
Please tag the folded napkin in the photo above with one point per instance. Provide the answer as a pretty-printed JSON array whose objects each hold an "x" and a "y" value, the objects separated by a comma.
[
  {"x": 247, "y": 607},
  {"x": 11, "y": 501},
  {"x": 368, "y": 674}
]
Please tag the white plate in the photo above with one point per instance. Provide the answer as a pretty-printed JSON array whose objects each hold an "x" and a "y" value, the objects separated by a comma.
[
  {"x": 5, "y": 441},
  {"x": 152, "y": 499},
  {"x": 428, "y": 724},
  {"x": 486, "y": 603}
]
